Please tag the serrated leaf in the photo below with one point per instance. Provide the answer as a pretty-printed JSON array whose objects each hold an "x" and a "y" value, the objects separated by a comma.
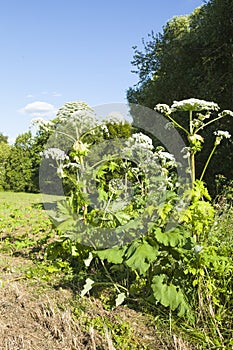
[
  {"x": 170, "y": 238},
  {"x": 169, "y": 295},
  {"x": 87, "y": 287},
  {"x": 140, "y": 255},
  {"x": 120, "y": 299},
  {"x": 112, "y": 255}
]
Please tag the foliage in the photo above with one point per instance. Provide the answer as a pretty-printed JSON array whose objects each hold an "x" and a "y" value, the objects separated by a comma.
[
  {"x": 207, "y": 267},
  {"x": 19, "y": 165},
  {"x": 3, "y": 138},
  {"x": 5, "y": 150},
  {"x": 191, "y": 57}
]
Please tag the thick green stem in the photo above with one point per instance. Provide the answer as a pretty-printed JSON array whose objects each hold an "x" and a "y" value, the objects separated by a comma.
[
  {"x": 207, "y": 162},
  {"x": 191, "y": 122},
  {"x": 193, "y": 172},
  {"x": 193, "y": 175}
]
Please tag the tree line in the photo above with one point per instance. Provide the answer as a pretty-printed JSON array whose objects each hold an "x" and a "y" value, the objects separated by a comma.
[{"x": 192, "y": 57}]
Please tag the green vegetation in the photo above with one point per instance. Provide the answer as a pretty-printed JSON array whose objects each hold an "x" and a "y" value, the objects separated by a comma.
[
  {"x": 174, "y": 261},
  {"x": 44, "y": 286},
  {"x": 191, "y": 57},
  {"x": 126, "y": 235}
]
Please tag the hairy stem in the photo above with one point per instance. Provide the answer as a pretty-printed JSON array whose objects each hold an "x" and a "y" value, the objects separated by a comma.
[{"x": 193, "y": 175}]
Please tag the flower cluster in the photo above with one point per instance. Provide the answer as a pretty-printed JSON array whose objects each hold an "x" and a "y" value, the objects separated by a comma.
[
  {"x": 220, "y": 135},
  {"x": 54, "y": 153},
  {"x": 162, "y": 108},
  {"x": 42, "y": 124},
  {"x": 225, "y": 113},
  {"x": 79, "y": 115},
  {"x": 141, "y": 140},
  {"x": 193, "y": 104}
]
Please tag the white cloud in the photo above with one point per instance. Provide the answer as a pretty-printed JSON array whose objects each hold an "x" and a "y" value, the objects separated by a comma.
[
  {"x": 39, "y": 109},
  {"x": 56, "y": 94},
  {"x": 29, "y": 96}
]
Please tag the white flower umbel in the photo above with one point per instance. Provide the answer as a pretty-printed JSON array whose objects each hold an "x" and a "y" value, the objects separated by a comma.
[
  {"x": 162, "y": 108},
  {"x": 226, "y": 113},
  {"x": 41, "y": 124},
  {"x": 55, "y": 153},
  {"x": 144, "y": 141},
  {"x": 76, "y": 116},
  {"x": 193, "y": 104},
  {"x": 221, "y": 135}
]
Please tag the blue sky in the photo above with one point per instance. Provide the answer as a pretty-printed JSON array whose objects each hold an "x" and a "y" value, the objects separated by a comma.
[{"x": 56, "y": 51}]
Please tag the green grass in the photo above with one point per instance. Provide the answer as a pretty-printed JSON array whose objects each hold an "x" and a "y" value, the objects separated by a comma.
[{"x": 26, "y": 231}]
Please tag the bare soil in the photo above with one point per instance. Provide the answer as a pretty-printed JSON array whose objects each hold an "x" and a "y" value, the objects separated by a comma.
[{"x": 39, "y": 317}]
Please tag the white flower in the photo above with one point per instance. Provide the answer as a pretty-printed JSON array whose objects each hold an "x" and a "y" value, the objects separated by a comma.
[
  {"x": 163, "y": 108},
  {"x": 104, "y": 128},
  {"x": 142, "y": 140},
  {"x": 55, "y": 153},
  {"x": 79, "y": 115},
  {"x": 166, "y": 159},
  {"x": 186, "y": 151},
  {"x": 193, "y": 104},
  {"x": 41, "y": 123},
  {"x": 226, "y": 112},
  {"x": 220, "y": 135}
]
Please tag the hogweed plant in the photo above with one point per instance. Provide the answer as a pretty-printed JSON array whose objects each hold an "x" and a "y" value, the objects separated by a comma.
[
  {"x": 199, "y": 113},
  {"x": 122, "y": 194},
  {"x": 207, "y": 265}
]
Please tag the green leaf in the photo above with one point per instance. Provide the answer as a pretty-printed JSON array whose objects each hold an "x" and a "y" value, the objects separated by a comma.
[
  {"x": 171, "y": 238},
  {"x": 169, "y": 295},
  {"x": 113, "y": 166},
  {"x": 120, "y": 299},
  {"x": 87, "y": 287},
  {"x": 140, "y": 255},
  {"x": 122, "y": 217},
  {"x": 112, "y": 255}
]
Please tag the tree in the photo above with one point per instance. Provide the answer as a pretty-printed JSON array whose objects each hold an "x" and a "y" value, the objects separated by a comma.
[
  {"x": 193, "y": 57},
  {"x": 3, "y": 138},
  {"x": 19, "y": 168},
  {"x": 5, "y": 150}
]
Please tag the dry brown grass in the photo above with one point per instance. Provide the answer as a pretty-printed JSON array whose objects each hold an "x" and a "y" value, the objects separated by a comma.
[{"x": 36, "y": 316}]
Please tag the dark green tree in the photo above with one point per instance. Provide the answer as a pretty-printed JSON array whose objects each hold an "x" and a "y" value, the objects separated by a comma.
[
  {"x": 192, "y": 57},
  {"x": 19, "y": 168}
]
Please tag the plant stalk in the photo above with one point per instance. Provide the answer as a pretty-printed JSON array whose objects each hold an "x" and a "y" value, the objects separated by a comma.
[{"x": 207, "y": 162}]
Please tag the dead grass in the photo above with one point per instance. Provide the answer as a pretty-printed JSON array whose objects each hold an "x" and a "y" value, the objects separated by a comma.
[{"x": 35, "y": 316}]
